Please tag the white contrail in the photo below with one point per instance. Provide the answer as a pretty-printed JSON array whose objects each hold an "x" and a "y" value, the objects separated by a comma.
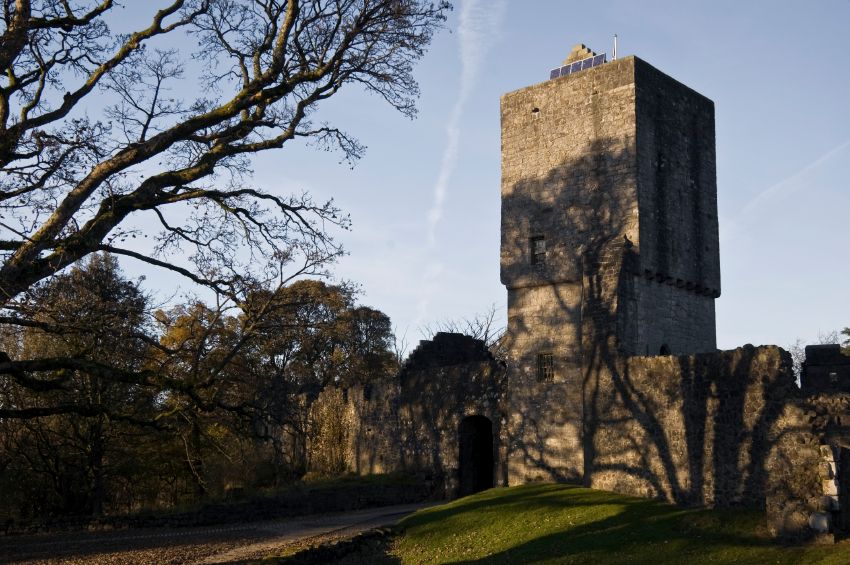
[
  {"x": 783, "y": 188},
  {"x": 478, "y": 27}
]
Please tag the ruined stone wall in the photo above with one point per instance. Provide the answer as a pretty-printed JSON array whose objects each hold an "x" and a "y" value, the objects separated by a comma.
[
  {"x": 729, "y": 428},
  {"x": 359, "y": 425},
  {"x": 375, "y": 430},
  {"x": 355, "y": 429},
  {"x": 443, "y": 381},
  {"x": 410, "y": 422},
  {"x": 826, "y": 369},
  {"x": 698, "y": 429},
  {"x": 801, "y": 501},
  {"x": 799, "y": 467}
]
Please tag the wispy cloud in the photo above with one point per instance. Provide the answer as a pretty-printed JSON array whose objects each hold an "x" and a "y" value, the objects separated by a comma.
[
  {"x": 479, "y": 24},
  {"x": 478, "y": 28},
  {"x": 802, "y": 179}
]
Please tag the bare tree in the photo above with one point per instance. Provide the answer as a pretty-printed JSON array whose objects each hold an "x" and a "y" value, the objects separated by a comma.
[
  {"x": 400, "y": 345},
  {"x": 798, "y": 349},
  {"x": 485, "y": 326},
  {"x": 69, "y": 182},
  {"x": 93, "y": 138}
]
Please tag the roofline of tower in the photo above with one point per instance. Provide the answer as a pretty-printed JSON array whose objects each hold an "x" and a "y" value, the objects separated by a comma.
[{"x": 631, "y": 60}]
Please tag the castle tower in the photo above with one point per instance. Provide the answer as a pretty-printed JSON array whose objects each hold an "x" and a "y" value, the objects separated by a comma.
[{"x": 609, "y": 239}]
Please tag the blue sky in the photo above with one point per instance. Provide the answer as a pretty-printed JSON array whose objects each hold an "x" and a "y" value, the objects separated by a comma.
[{"x": 424, "y": 200}]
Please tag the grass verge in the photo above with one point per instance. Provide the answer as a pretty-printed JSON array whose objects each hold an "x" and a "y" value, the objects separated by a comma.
[{"x": 569, "y": 524}]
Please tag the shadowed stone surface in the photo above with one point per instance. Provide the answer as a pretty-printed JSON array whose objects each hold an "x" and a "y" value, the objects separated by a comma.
[
  {"x": 413, "y": 421},
  {"x": 826, "y": 369}
]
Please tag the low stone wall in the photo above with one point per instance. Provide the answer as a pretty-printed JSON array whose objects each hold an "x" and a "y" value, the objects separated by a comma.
[{"x": 694, "y": 430}]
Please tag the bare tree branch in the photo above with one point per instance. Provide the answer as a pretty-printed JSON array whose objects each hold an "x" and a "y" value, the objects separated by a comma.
[{"x": 70, "y": 184}]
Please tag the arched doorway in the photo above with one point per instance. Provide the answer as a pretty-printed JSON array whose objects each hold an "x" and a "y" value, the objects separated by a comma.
[{"x": 475, "y": 459}]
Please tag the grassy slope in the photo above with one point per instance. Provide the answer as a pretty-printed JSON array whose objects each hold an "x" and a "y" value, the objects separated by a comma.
[{"x": 569, "y": 524}]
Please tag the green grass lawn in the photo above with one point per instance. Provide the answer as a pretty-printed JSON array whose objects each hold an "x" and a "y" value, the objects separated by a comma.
[{"x": 569, "y": 524}]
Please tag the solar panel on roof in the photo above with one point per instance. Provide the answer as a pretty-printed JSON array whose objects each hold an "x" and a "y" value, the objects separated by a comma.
[{"x": 578, "y": 66}]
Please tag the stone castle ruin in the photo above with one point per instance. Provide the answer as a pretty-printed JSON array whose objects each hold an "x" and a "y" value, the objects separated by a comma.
[{"x": 610, "y": 257}]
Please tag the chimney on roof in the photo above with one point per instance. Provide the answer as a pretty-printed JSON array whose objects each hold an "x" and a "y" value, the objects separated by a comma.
[{"x": 578, "y": 53}]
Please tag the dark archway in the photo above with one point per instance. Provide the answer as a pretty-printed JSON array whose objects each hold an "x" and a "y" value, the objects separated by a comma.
[{"x": 475, "y": 460}]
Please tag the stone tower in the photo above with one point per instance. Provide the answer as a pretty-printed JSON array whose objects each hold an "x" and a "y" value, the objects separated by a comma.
[{"x": 609, "y": 241}]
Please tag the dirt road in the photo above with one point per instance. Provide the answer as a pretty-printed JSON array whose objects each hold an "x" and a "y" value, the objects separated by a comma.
[{"x": 206, "y": 545}]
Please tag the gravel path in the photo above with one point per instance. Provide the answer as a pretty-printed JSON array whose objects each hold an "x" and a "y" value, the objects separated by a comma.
[{"x": 206, "y": 545}]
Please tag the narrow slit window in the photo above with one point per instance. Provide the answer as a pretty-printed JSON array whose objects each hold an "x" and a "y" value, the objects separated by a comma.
[
  {"x": 538, "y": 250},
  {"x": 545, "y": 367}
]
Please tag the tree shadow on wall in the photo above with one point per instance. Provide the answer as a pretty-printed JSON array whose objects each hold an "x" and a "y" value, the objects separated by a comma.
[
  {"x": 692, "y": 430},
  {"x": 584, "y": 213},
  {"x": 444, "y": 380}
]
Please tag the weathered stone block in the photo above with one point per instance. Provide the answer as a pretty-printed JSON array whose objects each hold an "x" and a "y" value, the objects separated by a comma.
[{"x": 820, "y": 522}]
